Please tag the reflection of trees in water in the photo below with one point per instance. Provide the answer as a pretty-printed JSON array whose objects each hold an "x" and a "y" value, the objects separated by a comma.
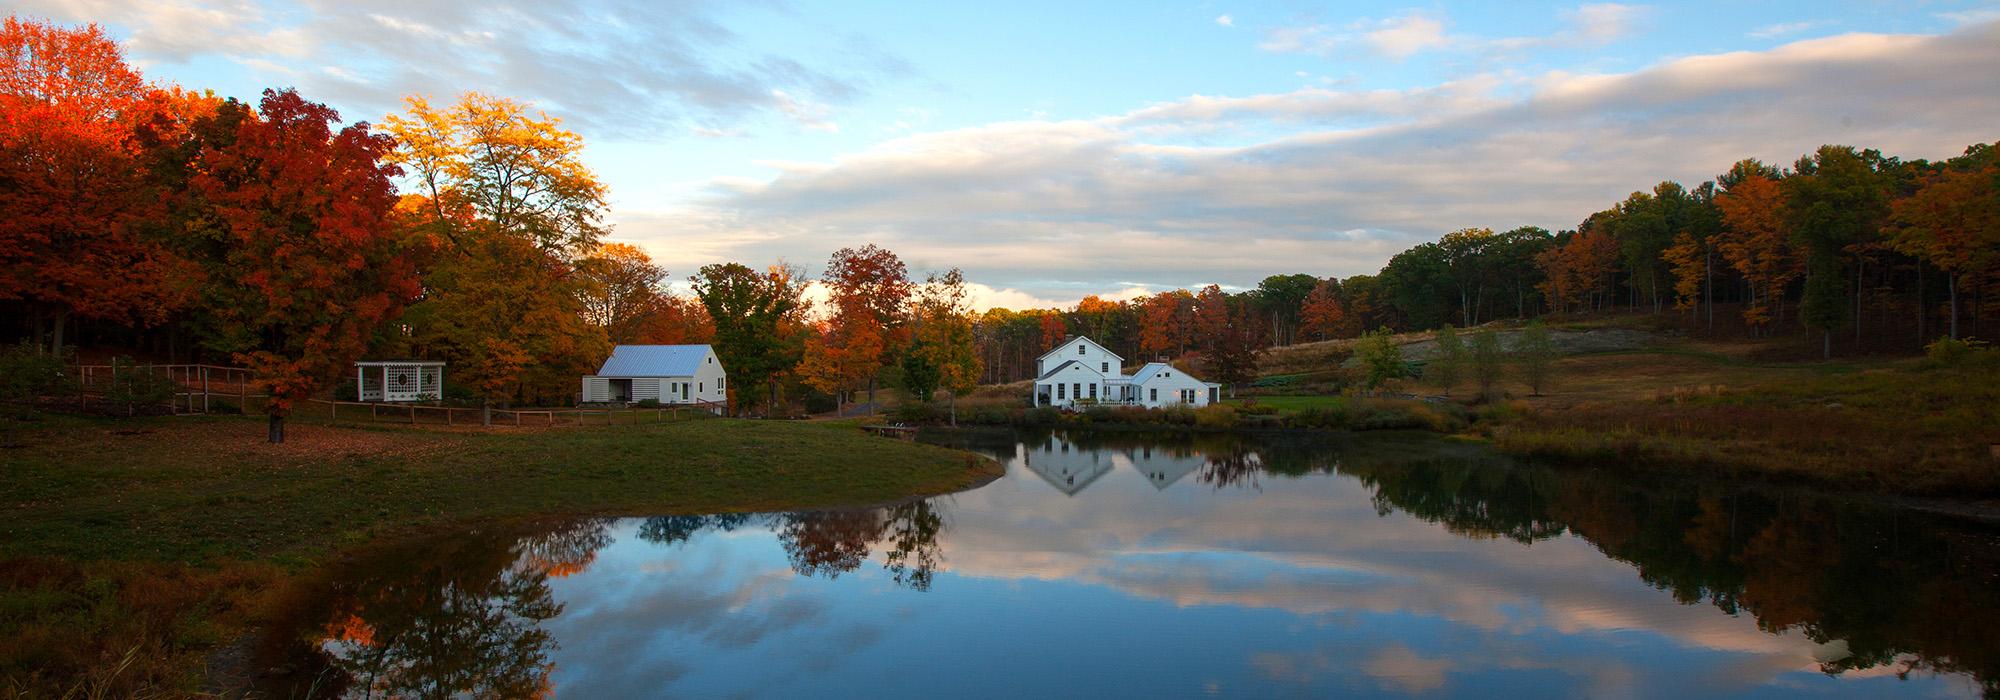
[
  {"x": 564, "y": 550},
  {"x": 911, "y": 531},
  {"x": 834, "y": 542},
  {"x": 1237, "y": 467},
  {"x": 829, "y": 542},
  {"x": 451, "y": 617},
  {"x": 675, "y": 529},
  {"x": 1914, "y": 592}
]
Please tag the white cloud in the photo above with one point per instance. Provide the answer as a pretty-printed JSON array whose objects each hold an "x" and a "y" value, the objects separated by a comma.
[
  {"x": 1978, "y": 15},
  {"x": 1059, "y": 209},
  {"x": 1773, "y": 31},
  {"x": 808, "y": 115},
  {"x": 1225, "y": 20},
  {"x": 615, "y": 69},
  {"x": 1601, "y": 23},
  {"x": 1395, "y": 37}
]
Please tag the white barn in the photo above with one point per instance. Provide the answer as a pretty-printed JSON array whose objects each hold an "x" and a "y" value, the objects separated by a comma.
[
  {"x": 1082, "y": 372},
  {"x": 669, "y": 374}
]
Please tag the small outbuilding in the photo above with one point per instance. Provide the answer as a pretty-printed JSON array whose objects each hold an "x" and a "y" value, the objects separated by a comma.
[
  {"x": 669, "y": 374},
  {"x": 398, "y": 381}
]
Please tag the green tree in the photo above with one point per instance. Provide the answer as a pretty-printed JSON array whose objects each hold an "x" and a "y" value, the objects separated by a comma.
[
  {"x": 751, "y": 311},
  {"x": 1488, "y": 360},
  {"x": 1836, "y": 201},
  {"x": 1535, "y": 356},
  {"x": 944, "y": 324},
  {"x": 1447, "y": 365},
  {"x": 1381, "y": 358},
  {"x": 920, "y": 371},
  {"x": 1282, "y": 298}
]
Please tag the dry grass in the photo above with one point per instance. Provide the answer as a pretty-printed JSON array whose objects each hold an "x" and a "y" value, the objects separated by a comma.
[{"x": 1900, "y": 427}]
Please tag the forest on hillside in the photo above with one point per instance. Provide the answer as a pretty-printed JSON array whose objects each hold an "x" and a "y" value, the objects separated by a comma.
[{"x": 166, "y": 221}]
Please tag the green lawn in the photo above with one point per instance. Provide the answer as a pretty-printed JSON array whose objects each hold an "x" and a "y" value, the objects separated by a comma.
[{"x": 163, "y": 539}]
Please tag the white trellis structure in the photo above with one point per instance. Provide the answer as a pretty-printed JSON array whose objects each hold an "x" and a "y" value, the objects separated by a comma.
[{"x": 399, "y": 380}]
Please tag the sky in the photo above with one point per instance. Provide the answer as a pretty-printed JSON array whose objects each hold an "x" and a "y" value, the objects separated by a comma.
[{"x": 1055, "y": 150}]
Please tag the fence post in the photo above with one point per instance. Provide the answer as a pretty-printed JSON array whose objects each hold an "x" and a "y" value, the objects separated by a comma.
[{"x": 204, "y": 388}]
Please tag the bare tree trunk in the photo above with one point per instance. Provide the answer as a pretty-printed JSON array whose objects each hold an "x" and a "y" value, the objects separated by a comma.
[
  {"x": 1951, "y": 282},
  {"x": 1922, "y": 312},
  {"x": 275, "y": 429},
  {"x": 56, "y": 339}
]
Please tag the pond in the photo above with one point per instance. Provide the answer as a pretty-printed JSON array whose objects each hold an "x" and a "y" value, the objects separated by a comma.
[{"x": 1150, "y": 565}]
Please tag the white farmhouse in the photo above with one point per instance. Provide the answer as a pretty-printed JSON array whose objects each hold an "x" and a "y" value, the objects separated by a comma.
[
  {"x": 669, "y": 374},
  {"x": 1079, "y": 371}
]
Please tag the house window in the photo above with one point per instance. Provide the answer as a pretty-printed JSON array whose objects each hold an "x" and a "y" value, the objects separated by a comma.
[
  {"x": 1076, "y": 389},
  {"x": 1079, "y": 349},
  {"x": 1093, "y": 392},
  {"x": 699, "y": 388},
  {"x": 718, "y": 383},
  {"x": 1154, "y": 395},
  {"x": 1059, "y": 392},
  {"x": 1103, "y": 366}
]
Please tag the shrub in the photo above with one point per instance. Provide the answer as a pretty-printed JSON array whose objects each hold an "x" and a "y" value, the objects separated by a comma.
[
  {"x": 647, "y": 403},
  {"x": 1951, "y": 352},
  {"x": 918, "y": 413},
  {"x": 1217, "y": 416},
  {"x": 1042, "y": 415}
]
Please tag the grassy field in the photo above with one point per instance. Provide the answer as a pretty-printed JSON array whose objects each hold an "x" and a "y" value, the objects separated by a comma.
[
  {"x": 1735, "y": 409},
  {"x": 132, "y": 548}
]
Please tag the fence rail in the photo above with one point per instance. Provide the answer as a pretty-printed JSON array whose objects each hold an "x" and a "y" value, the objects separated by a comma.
[{"x": 413, "y": 413}]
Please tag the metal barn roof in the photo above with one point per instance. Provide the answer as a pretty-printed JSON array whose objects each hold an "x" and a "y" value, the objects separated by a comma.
[{"x": 653, "y": 361}]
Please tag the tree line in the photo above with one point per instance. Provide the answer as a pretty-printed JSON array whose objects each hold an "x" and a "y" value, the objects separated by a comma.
[{"x": 1845, "y": 244}]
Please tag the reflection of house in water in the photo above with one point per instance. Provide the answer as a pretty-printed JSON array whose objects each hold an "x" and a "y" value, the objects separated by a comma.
[
  {"x": 1065, "y": 466},
  {"x": 1163, "y": 467},
  {"x": 1070, "y": 467}
]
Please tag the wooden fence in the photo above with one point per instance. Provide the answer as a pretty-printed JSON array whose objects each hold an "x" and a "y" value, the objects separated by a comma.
[
  {"x": 412, "y": 413},
  {"x": 196, "y": 386}
]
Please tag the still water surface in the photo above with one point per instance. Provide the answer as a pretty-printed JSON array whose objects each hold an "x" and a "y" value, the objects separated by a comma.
[{"x": 1171, "y": 566}]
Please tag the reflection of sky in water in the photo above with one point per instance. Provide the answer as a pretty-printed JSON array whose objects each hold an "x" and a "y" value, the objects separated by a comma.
[{"x": 1271, "y": 587}]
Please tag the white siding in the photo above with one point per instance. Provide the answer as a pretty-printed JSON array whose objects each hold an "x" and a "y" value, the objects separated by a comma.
[
  {"x": 1082, "y": 350},
  {"x": 710, "y": 381},
  {"x": 596, "y": 389},
  {"x": 646, "y": 388},
  {"x": 1166, "y": 389}
]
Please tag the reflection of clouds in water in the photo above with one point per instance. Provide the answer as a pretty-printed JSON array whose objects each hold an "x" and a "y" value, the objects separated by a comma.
[
  {"x": 651, "y": 616},
  {"x": 1310, "y": 547}
]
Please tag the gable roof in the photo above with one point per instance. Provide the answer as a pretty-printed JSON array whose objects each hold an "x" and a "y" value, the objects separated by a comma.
[
  {"x": 1074, "y": 339},
  {"x": 1153, "y": 369},
  {"x": 1058, "y": 368},
  {"x": 654, "y": 361}
]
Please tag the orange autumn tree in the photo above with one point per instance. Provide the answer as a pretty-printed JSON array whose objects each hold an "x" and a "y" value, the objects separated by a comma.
[
  {"x": 1953, "y": 223},
  {"x": 621, "y": 289},
  {"x": 1164, "y": 320},
  {"x": 1757, "y": 242},
  {"x": 312, "y": 258},
  {"x": 1323, "y": 317},
  {"x": 76, "y": 199},
  {"x": 869, "y": 286}
]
